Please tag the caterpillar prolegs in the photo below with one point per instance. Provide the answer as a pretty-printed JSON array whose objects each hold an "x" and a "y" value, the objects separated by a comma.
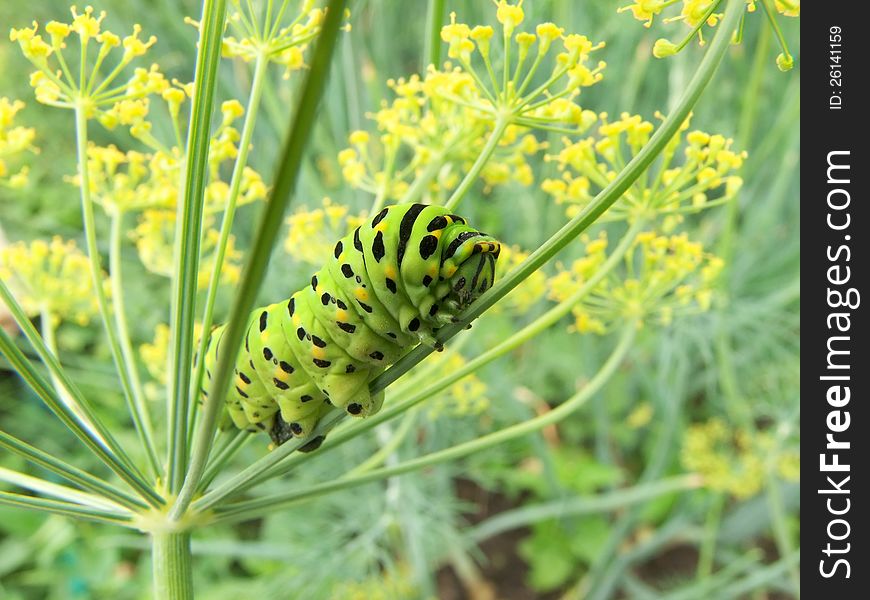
[{"x": 388, "y": 286}]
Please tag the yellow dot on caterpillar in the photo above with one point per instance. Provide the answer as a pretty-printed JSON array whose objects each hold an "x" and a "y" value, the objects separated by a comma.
[
  {"x": 361, "y": 294},
  {"x": 279, "y": 373},
  {"x": 341, "y": 315},
  {"x": 432, "y": 271},
  {"x": 390, "y": 271},
  {"x": 317, "y": 353},
  {"x": 449, "y": 272}
]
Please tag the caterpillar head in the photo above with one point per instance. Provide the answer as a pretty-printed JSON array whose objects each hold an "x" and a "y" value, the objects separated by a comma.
[{"x": 468, "y": 267}]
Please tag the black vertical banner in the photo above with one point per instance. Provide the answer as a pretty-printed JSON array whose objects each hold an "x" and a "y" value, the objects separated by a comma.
[{"x": 835, "y": 225}]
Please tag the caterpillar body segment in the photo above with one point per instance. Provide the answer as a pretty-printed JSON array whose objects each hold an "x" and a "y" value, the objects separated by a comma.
[{"x": 388, "y": 286}]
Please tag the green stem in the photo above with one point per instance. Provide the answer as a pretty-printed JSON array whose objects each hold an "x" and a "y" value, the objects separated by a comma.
[
  {"x": 260, "y": 66},
  {"x": 116, "y": 235},
  {"x": 421, "y": 181},
  {"x": 95, "y": 443},
  {"x": 247, "y": 509},
  {"x": 471, "y": 177},
  {"x": 699, "y": 26},
  {"x": 72, "y": 474},
  {"x": 770, "y": 12},
  {"x": 559, "y": 509},
  {"x": 387, "y": 449},
  {"x": 48, "y": 335},
  {"x": 222, "y": 456},
  {"x": 139, "y": 419},
  {"x": 780, "y": 529},
  {"x": 258, "y": 259},
  {"x": 66, "y": 509},
  {"x": 434, "y": 19},
  {"x": 189, "y": 239},
  {"x": 708, "y": 545},
  {"x": 171, "y": 566}
]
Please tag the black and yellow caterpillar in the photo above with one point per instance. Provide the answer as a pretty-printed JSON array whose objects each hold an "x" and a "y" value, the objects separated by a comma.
[{"x": 389, "y": 286}]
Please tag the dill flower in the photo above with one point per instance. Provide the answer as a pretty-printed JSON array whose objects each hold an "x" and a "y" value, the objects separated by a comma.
[
  {"x": 736, "y": 460},
  {"x": 696, "y": 14},
  {"x": 50, "y": 278},
  {"x": 76, "y": 79},
  {"x": 312, "y": 232},
  {"x": 702, "y": 177},
  {"x": 662, "y": 277},
  {"x": 154, "y": 237},
  {"x": 15, "y": 140},
  {"x": 512, "y": 93},
  {"x": 275, "y": 42}
]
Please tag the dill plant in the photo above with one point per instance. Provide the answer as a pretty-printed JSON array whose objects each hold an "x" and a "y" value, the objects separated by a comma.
[{"x": 479, "y": 116}]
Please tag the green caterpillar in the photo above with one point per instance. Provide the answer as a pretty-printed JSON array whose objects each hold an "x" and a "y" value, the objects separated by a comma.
[{"x": 389, "y": 286}]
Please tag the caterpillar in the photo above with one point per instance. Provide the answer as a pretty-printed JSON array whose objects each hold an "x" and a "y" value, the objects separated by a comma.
[{"x": 389, "y": 285}]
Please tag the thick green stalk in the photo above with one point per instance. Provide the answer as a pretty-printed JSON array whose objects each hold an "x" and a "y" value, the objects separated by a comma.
[
  {"x": 116, "y": 235},
  {"x": 137, "y": 411},
  {"x": 258, "y": 259},
  {"x": 595, "y": 209},
  {"x": 250, "y": 508},
  {"x": 171, "y": 566},
  {"x": 189, "y": 239}
]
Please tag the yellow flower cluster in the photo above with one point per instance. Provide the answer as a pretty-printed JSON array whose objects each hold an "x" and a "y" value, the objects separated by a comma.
[
  {"x": 662, "y": 277},
  {"x": 736, "y": 460},
  {"x": 66, "y": 80},
  {"x": 283, "y": 45},
  {"x": 14, "y": 140},
  {"x": 697, "y": 13},
  {"x": 395, "y": 583},
  {"x": 148, "y": 182},
  {"x": 51, "y": 278},
  {"x": 511, "y": 93},
  {"x": 313, "y": 232},
  {"x": 426, "y": 142},
  {"x": 129, "y": 181},
  {"x": 154, "y": 236},
  {"x": 705, "y": 177}
]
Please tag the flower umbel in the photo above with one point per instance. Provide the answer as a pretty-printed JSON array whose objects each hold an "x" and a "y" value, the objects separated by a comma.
[
  {"x": 736, "y": 460},
  {"x": 312, "y": 232},
  {"x": 267, "y": 37},
  {"x": 662, "y": 277},
  {"x": 514, "y": 93},
  {"x": 705, "y": 175},
  {"x": 76, "y": 79},
  {"x": 50, "y": 278}
]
